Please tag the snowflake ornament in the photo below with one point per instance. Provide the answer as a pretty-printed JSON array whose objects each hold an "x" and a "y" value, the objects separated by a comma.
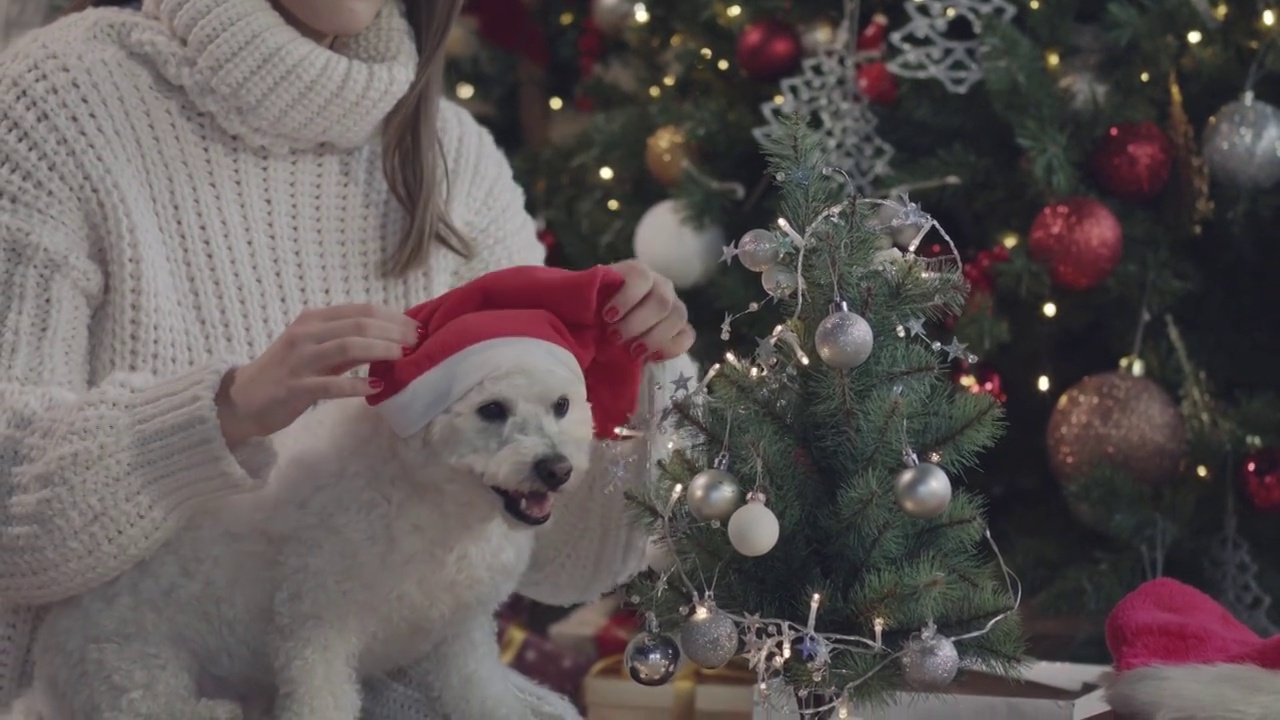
[
  {"x": 925, "y": 47},
  {"x": 827, "y": 89}
]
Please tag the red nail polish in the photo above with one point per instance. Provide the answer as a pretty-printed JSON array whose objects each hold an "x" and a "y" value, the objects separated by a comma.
[
  {"x": 422, "y": 331},
  {"x": 655, "y": 357},
  {"x": 615, "y": 336},
  {"x": 610, "y": 314},
  {"x": 375, "y": 384},
  {"x": 406, "y": 351},
  {"x": 638, "y": 350}
]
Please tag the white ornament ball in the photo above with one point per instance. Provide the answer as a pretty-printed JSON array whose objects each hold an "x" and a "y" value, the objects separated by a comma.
[
  {"x": 753, "y": 529},
  {"x": 923, "y": 491},
  {"x": 779, "y": 281},
  {"x": 843, "y": 340},
  {"x": 759, "y": 249},
  {"x": 612, "y": 16},
  {"x": 1242, "y": 144},
  {"x": 658, "y": 556},
  {"x": 714, "y": 494},
  {"x": 670, "y": 246}
]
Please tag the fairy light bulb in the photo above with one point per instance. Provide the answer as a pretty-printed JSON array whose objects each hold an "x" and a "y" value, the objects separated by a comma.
[
  {"x": 464, "y": 91},
  {"x": 641, "y": 13},
  {"x": 733, "y": 11},
  {"x": 1268, "y": 17},
  {"x": 1050, "y": 309},
  {"x": 1042, "y": 383},
  {"x": 606, "y": 173},
  {"x": 1052, "y": 59},
  {"x": 1202, "y": 471},
  {"x": 1194, "y": 37}
]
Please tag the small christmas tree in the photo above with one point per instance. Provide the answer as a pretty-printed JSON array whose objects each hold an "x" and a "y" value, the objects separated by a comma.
[{"x": 809, "y": 510}]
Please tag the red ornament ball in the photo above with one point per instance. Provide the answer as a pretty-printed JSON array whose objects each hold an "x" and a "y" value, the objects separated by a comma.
[
  {"x": 1260, "y": 474},
  {"x": 768, "y": 49},
  {"x": 1079, "y": 240},
  {"x": 1132, "y": 161},
  {"x": 877, "y": 84}
]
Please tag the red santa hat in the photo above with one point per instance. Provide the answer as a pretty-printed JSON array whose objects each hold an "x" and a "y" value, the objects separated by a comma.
[
  {"x": 519, "y": 315},
  {"x": 1179, "y": 654}
]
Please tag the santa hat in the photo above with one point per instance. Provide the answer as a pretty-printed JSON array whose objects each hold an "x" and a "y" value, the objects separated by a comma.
[
  {"x": 517, "y": 316},
  {"x": 1180, "y": 655}
]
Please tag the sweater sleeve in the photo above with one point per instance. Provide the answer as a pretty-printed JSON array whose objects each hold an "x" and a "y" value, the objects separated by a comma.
[{"x": 93, "y": 475}]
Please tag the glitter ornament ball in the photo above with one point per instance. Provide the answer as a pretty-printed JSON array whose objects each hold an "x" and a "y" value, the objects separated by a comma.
[
  {"x": 843, "y": 338},
  {"x": 1241, "y": 144},
  {"x": 651, "y": 658},
  {"x": 666, "y": 242},
  {"x": 929, "y": 662},
  {"x": 611, "y": 17},
  {"x": 714, "y": 494},
  {"x": 1119, "y": 421},
  {"x": 666, "y": 154},
  {"x": 753, "y": 529},
  {"x": 1132, "y": 161},
  {"x": 1260, "y": 476},
  {"x": 923, "y": 491},
  {"x": 759, "y": 249},
  {"x": 877, "y": 84},
  {"x": 1079, "y": 240},
  {"x": 768, "y": 50},
  {"x": 709, "y": 637},
  {"x": 779, "y": 281}
]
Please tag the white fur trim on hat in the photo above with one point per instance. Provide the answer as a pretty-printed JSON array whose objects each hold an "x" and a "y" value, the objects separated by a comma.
[
  {"x": 1196, "y": 692},
  {"x": 429, "y": 394}
]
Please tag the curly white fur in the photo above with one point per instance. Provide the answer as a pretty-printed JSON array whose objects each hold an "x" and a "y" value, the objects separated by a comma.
[
  {"x": 1196, "y": 692},
  {"x": 365, "y": 553}
]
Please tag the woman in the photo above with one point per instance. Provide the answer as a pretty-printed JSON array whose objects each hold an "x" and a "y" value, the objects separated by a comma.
[{"x": 210, "y": 212}]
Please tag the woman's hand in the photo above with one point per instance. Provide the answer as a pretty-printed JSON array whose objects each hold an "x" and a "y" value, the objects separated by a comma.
[
  {"x": 647, "y": 314},
  {"x": 307, "y": 363}
]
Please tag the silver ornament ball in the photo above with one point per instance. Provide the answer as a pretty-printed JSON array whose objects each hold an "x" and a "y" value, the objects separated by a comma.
[
  {"x": 758, "y": 249},
  {"x": 779, "y": 281},
  {"x": 843, "y": 339},
  {"x": 709, "y": 638},
  {"x": 612, "y": 16},
  {"x": 929, "y": 662},
  {"x": 923, "y": 491},
  {"x": 714, "y": 494},
  {"x": 1242, "y": 144},
  {"x": 651, "y": 658}
]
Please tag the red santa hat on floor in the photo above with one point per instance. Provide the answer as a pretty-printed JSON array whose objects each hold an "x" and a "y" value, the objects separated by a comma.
[
  {"x": 1179, "y": 655},
  {"x": 517, "y": 316}
]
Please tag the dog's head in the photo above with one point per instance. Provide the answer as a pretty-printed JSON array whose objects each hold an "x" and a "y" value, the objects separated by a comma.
[{"x": 523, "y": 432}]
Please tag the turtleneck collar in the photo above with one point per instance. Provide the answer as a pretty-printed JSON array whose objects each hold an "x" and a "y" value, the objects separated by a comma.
[{"x": 267, "y": 84}]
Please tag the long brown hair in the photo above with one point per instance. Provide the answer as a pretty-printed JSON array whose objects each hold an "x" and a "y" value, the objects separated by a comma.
[{"x": 412, "y": 157}]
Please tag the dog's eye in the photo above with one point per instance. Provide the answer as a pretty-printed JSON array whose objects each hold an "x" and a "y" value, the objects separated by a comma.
[
  {"x": 561, "y": 407},
  {"x": 492, "y": 412}
]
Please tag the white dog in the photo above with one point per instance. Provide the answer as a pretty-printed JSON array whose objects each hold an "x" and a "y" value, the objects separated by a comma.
[{"x": 367, "y": 552}]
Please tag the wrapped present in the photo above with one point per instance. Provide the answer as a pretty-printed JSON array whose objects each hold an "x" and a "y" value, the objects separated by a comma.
[
  {"x": 693, "y": 694},
  {"x": 589, "y": 628},
  {"x": 1045, "y": 691},
  {"x": 542, "y": 660}
]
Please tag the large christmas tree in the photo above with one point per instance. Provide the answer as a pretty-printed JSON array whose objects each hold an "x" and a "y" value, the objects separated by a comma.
[{"x": 1107, "y": 169}]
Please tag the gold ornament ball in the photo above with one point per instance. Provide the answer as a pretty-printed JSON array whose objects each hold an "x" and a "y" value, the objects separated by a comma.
[
  {"x": 1119, "y": 421},
  {"x": 666, "y": 153}
]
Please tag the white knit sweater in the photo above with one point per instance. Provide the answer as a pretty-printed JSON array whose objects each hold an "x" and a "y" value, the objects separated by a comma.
[{"x": 176, "y": 185}]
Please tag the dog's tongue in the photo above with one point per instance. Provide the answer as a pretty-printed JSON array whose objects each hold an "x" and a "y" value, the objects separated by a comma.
[{"x": 536, "y": 505}]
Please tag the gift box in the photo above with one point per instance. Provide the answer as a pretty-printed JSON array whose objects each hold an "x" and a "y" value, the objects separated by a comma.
[
  {"x": 1045, "y": 691},
  {"x": 541, "y": 659},
  {"x": 693, "y": 694}
]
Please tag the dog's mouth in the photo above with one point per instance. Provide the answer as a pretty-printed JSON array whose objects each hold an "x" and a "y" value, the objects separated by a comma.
[{"x": 530, "y": 508}]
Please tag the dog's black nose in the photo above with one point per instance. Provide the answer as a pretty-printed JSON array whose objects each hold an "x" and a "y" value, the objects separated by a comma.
[{"x": 553, "y": 470}]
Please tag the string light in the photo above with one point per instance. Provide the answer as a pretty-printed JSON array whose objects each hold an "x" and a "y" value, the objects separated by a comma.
[
  {"x": 722, "y": 64},
  {"x": 733, "y": 11},
  {"x": 641, "y": 13},
  {"x": 606, "y": 173},
  {"x": 669, "y": 80},
  {"x": 1042, "y": 383},
  {"x": 1034, "y": 4},
  {"x": 1202, "y": 471},
  {"x": 1052, "y": 58},
  {"x": 566, "y": 18},
  {"x": 778, "y": 99},
  {"x": 1195, "y": 36},
  {"x": 1145, "y": 76},
  {"x": 706, "y": 53},
  {"x": 1268, "y": 17},
  {"x": 613, "y": 205},
  {"x": 555, "y": 103},
  {"x": 654, "y": 91},
  {"x": 1050, "y": 309},
  {"x": 1010, "y": 240},
  {"x": 676, "y": 39},
  {"x": 464, "y": 91}
]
